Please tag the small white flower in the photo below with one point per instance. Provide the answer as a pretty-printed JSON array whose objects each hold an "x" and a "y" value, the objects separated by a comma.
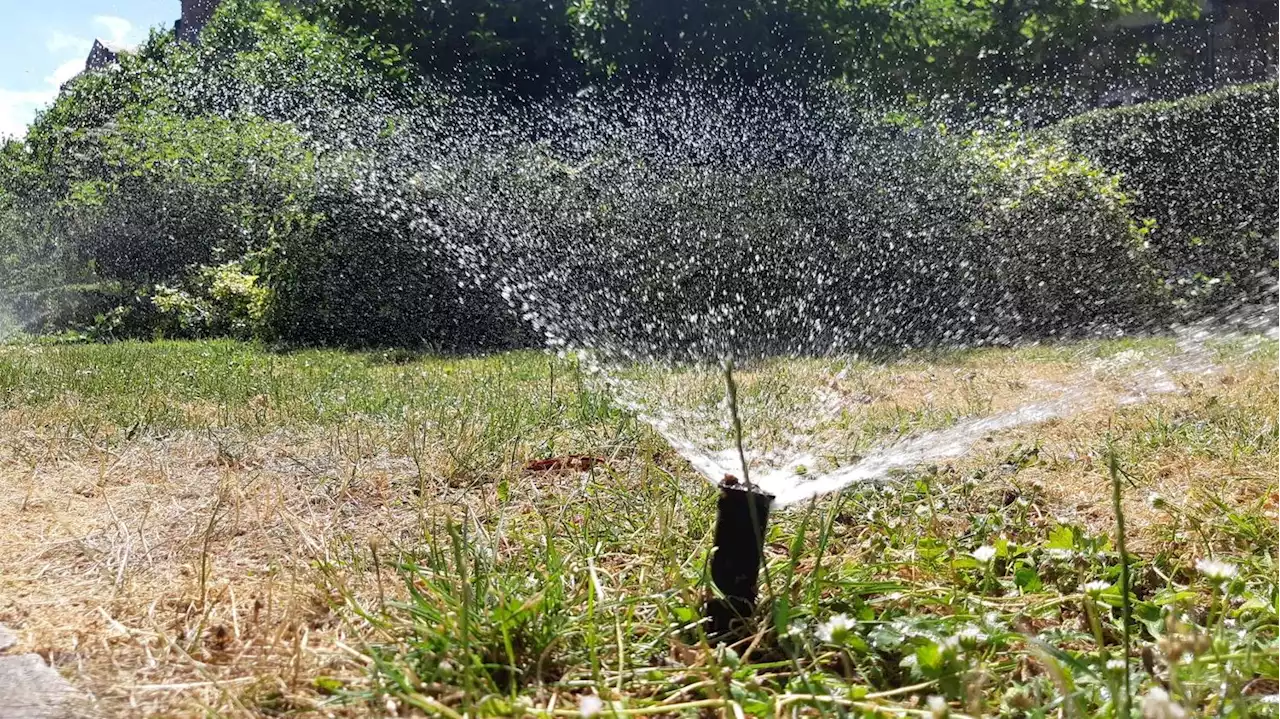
[
  {"x": 1157, "y": 705},
  {"x": 1093, "y": 589},
  {"x": 590, "y": 705},
  {"x": 971, "y": 637},
  {"x": 938, "y": 708},
  {"x": 985, "y": 553},
  {"x": 1115, "y": 665},
  {"x": 835, "y": 629},
  {"x": 1216, "y": 571}
]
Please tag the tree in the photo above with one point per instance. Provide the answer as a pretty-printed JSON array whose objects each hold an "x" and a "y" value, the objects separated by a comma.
[
  {"x": 517, "y": 48},
  {"x": 744, "y": 39},
  {"x": 1030, "y": 58}
]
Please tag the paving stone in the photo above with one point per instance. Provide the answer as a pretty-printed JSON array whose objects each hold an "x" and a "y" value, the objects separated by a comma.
[{"x": 30, "y": 689}]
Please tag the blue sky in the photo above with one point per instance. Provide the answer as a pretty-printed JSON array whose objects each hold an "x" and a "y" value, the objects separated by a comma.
[{"x": 44, "y": 42}]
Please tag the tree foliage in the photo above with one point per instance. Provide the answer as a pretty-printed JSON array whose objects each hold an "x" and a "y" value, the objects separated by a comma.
[
  {"x": 984, "y": 50},
  {"x": 988, "y": 54},
  {"x": 518, "y": 47},
  {"x": 240, "y": 185}
]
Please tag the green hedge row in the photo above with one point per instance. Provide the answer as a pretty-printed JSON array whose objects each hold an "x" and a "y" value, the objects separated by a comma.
[{"x": 1204, "y": 170}]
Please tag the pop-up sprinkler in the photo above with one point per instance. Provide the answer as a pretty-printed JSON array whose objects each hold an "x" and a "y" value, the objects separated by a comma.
[{"x": 741, "y": 515}]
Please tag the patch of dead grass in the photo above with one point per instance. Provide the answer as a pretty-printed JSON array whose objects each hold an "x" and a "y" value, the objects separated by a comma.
[{"x": 167, "y": 578}]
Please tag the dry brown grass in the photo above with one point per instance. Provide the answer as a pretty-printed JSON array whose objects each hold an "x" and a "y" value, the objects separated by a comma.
[
  {"x": 167, "y": 578},
  {"x": 159, "y": 576}
]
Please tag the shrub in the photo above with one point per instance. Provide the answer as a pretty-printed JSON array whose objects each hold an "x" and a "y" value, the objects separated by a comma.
[
  {"x": 1205, "y": 170},
  {"x": 680, "y": 223},
  {"x": 352, "y": 272},
  {"x": 217, "y": 301},
  {"x": 188, "y": 157},
  {"x": 174, "y": 193},
  {"x": 152, "y": 199},
  {"x": 1062, "y": 251}
]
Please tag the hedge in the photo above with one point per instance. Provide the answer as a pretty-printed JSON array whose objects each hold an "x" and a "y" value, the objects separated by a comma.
[{"x": 1204, "y": 169}]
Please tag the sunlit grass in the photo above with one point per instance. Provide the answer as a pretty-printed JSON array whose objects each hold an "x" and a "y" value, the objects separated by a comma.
[{"x": 208, "y": 528}]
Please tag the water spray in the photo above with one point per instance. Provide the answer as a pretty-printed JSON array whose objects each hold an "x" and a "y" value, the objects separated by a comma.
[{"x": 742, "y": 512}]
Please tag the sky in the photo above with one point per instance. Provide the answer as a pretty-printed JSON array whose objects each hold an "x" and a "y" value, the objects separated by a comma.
[{"x": 43, "y": 43}]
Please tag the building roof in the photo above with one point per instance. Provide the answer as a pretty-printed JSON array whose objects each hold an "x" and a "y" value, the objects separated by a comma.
[
  {"x": 102, "y": 54},
  {"x": 115, "y": 47}
]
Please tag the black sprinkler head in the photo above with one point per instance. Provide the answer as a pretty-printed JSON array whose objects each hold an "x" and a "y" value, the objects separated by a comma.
[{"x": 741, "y": 516}]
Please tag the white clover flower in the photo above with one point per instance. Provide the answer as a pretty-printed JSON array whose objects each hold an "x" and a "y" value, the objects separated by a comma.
[
  {"x": 1157, "y": 705},
  {"x": 1215, "y": 570},
  {"x": 970, "y": 637},
  {"x": 835, "y": 629},
  {"x": 984, "y": 554},
  {"x": 938, "y": 708},
  {"x": 1095, "y": 588},
  {"x": 590, "y": 705}
]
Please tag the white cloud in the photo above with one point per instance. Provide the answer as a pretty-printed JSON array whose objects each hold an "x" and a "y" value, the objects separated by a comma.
[
  {"x": 117, "y": 28},
  {"x": 17, "y": 107},
  {"x": 65, "y": 71}
]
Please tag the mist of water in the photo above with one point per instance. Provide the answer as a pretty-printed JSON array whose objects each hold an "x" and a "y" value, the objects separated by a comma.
[
  {"x": 684, "y": 228},
  {"x": 1142, "y": 380}
]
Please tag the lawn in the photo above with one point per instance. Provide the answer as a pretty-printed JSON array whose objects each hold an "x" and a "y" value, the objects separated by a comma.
[{"x": 212, "y": 529}]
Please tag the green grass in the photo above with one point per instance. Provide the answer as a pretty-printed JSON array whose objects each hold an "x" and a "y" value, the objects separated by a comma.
[
  {"x": 595, "y": 604},
  {"x": 992, "y": 581}
]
